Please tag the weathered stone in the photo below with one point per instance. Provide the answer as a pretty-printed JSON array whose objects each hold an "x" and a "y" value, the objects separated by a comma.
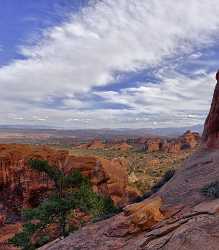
[{"x": 211, "y": 129}]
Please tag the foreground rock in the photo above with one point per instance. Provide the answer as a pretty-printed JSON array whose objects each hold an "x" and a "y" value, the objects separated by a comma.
[{"x": 178, "y": 216}]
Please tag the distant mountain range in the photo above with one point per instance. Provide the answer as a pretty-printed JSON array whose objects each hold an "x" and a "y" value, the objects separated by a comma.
[{"x": 96, "y": 133}]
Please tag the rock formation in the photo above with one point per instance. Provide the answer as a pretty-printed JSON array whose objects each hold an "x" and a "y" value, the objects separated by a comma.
[
  {"x": 153, "y": 145},
  {"x": 96, "y": 144},
  {"x": 122, "y": 147},
  {"x": 211, "y": 129},
  {"x": 22, "y": 187},
  {"x": 172, "y": 147},
  {"x": 178, "y": 216},
  {"x": 188, "y": 140}
]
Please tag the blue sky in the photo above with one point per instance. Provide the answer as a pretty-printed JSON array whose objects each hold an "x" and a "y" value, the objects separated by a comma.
[{"x": 108, "y": 63}]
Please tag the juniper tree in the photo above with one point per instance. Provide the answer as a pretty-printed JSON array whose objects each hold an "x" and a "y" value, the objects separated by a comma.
[{"x": 70, "y": 191}]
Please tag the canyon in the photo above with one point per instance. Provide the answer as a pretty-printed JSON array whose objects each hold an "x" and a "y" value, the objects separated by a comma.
[{"x": 178, "y": 216}]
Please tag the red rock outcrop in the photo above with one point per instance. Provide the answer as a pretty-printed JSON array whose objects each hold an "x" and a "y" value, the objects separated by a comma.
[
  {"x": 172, "y": 147},
  {"x": 117, "y": 182},
  {"x": 96, "y": 144},
  {"x": 211, "y": 129},
  {"x": 107, "y": 177},
  {"x": 189, "y": 140},
  {"x": 21, "y": 187},
  {"x": 153, "y": 145},
  {"x": 122, "y": 147},
  {"x": 178, "y": 216}
]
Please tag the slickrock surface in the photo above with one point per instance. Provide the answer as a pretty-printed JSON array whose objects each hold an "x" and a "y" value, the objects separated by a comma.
[{"x": 178, "y": 216}]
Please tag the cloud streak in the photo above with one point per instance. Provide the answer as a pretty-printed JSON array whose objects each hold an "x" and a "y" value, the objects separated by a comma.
[{"x": 106, "y": 38}]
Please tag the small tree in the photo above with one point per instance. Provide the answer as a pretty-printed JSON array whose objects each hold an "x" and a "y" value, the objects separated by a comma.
[{"x": 70, "y": 192}]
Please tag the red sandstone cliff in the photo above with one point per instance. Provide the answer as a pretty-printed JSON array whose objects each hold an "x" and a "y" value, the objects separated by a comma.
[
  {"x": 211, "y": 129},
  {"x": 20, "y": 186},
  {"x": 178, "y": 216}
]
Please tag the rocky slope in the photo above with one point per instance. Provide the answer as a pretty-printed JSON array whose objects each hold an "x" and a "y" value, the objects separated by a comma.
[{"x": 178, "y": 216}]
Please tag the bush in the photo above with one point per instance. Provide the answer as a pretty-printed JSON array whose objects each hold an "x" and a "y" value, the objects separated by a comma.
[
  {"x": 71, "y": 191},
  {"x": 211, "y": 190},
  {"x": 96, "y": 204}
]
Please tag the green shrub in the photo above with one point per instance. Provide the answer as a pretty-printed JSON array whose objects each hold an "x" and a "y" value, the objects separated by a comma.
[
  {"x": 211, "y": 190},
  {"x": 96, "y": 204},
  {"x": 23, "y": 239},
  {"x": 42, "y": 241},
  {"x": 71, "y": 191}
]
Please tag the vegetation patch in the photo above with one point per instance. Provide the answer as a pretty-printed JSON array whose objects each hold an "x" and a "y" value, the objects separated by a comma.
[
  {"x": 166, "y": 177},
  {"x": 211, "y": 190},
  {"x": 144, "y": 169},
  {"x": 71, "y": 192}
]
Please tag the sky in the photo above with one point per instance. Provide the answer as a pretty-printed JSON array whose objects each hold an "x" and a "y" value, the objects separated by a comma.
[{"x": 107, "y": 63}]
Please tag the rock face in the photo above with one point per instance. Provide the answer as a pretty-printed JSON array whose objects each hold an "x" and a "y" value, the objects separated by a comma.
[
  {"x": 22, "y": 187},
  {"x": 117, "y": 182},
  {"x": 178, "y": 216},
  {"x": 211, "y": 129}
]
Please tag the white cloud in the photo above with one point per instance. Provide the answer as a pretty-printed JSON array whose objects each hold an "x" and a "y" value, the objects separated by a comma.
[
  {"x": 177, "y": 97},
  {"x": 107, "y": 37}
]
